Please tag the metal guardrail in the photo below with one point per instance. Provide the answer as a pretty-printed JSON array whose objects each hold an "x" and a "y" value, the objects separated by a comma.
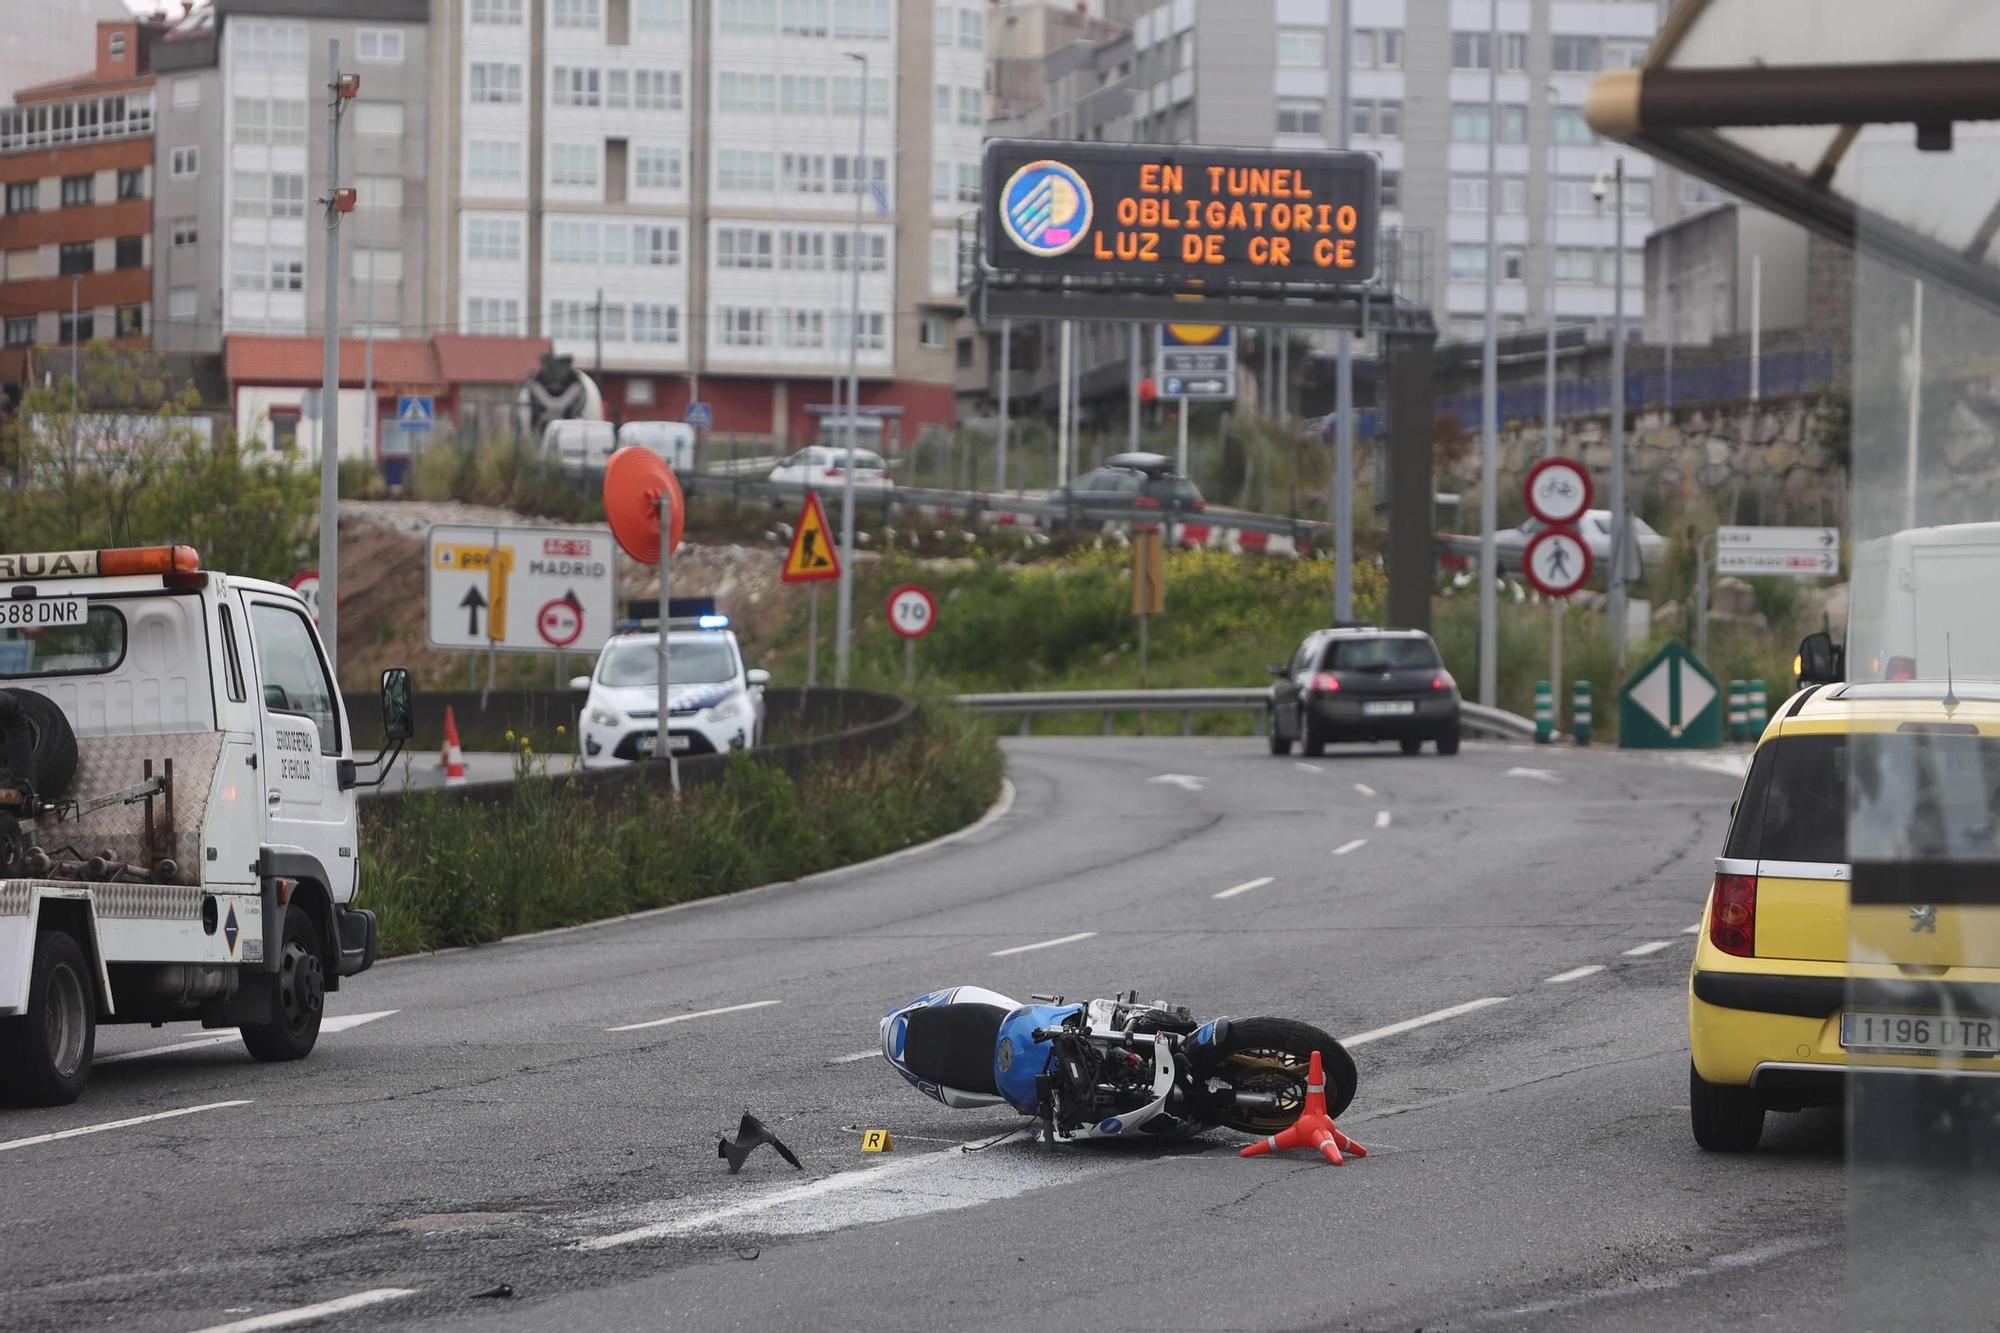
[{"x": 1475, "y": 718}]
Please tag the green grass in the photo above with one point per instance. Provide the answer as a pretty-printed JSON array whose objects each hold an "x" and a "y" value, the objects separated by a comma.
[{"x": 440, "y": 871}]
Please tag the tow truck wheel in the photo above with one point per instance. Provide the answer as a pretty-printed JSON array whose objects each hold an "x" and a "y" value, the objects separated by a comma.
[
  {"x": 45, "y": 1053},
  {"x": 300, "y": 1000}
]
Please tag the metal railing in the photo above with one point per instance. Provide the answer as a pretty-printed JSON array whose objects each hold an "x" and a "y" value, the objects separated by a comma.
[{"x": 1475, "y": 718}]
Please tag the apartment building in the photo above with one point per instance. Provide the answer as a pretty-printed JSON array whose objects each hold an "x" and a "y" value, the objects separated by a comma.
[
  {"x": 667, "y": 190},
  {"x": 51, "y": 37},
  {"x": 76, "y": 181}
]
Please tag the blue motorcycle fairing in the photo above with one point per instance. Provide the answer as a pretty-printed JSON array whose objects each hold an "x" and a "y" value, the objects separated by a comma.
[{"x": 1018, "y": 1059}]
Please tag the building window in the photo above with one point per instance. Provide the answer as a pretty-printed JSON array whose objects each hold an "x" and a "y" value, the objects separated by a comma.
[
  {"x": 288, "y": 194},
  {"x": 875, "y": 252},
  {"x": 745, "y": 170},
  {"x": 77, "y": 257},
  {"x": 187, "y": 93},
  {"x": 1468, "y": 263},
  {"x": 1300, "y": 115},
  {"x": 805, "y": 94},
  {"x": 1471, "y": 122},
  {"x": 288, "y": 268},
  {"x": 1575, "y": 264},
  {"x": 115, "y": 48},
  {"x": 574, "y": 164},
  {"x": 638, "y": 388},
  {"x": 575, "y": 13},
  {"x": 656, "y": 90},
  {"x": 803, "y": 251},
  {"x": 78, "y": 191},
  {"x": 1392, "y": 188},
  {"x": 865, "y": 19},
  {"x": 1624, "y": 52},
  {"x": 744, "y": 327},
  {"x": 494, "y": 163},
  {"x": 965, "y": 353},
  {"x": 492, "y": 314},
  {"x": 657, "y": 324},
  {"x": 184, "y": 233},
  {"x": 574, "y": 86},
  {"x": 497, "y": 13},
  {"x": 379, "y": 46},
  {"x": 656, "y": 168},
  {"x": 131, "y": 252},
  {"x": 386, "y": 118},
  {"x": 944, "y": 261},
  {"x": 1513, "y": 265},
  {"x": 930, "y": 331},
  {"x": 132, "y": 183},
  {"x": 20, "y": 330},
  {"x": 1695, "y": 193},
  {"x": 656, "y": 246},
  {"x": 1474, "y": 50},
  {"x": 76, "y": 328},
  {"x": 493, "y": 240},
  {"x": 375, "y": 264},
  {"x": 660, "y": 16},
  {"x": 971, "y": 30},
  {"x": 971, "y": 107},
  {"x": 1377, "y": 119},
  {"x": 1578, "y": 54},
  {"x": 131, "y": 320},
  {"x": 1571, "y": 128},
  {"x": 182, "y": 303},
  {"x": 1378, "y": 48},
  {"x": 1302, "y": 46},
  {"x": 24, "y": 196},
  {"x": 743, "y": 247},
  {"x": 743, "y": 94},
  {"x": 494, "y": 83}
]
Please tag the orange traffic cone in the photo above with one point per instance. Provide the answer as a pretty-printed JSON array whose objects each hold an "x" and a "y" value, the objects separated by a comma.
[
  {"x": 454, "y": 758},
  {"x": 1314, "y": 1128}
]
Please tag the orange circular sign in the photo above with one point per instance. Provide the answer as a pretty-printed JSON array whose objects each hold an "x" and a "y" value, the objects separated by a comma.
[{"x": 634, "y": 481}]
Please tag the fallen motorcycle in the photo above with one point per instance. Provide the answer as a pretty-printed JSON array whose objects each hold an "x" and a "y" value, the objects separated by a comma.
[{"x": 1113, "y": 1068}]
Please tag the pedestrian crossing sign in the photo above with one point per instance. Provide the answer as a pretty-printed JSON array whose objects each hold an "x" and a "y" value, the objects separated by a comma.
[{"x": 812, "y": 558}]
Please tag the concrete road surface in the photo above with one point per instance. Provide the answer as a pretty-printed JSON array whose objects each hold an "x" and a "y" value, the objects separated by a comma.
[{"x": 1502, "y": 937}]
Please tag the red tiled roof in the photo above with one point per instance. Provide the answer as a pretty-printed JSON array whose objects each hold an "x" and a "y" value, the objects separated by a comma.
[
  {"x": 465, "y": 358},
  {"x": 407, "y": 363}
]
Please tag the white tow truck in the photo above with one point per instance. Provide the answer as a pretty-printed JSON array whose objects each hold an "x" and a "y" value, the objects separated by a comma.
[{"x": 177, "y": 810}]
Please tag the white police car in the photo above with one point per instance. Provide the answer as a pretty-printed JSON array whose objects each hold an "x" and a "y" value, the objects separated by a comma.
[{"x": 715, "y": 704}]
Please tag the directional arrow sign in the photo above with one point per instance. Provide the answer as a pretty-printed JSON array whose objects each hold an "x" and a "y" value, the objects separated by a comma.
[
  {"x": 473, "y": 603},
  {"x": 1807, "y": 553},
  {"x": 562, "y": 577},
  {"x": 1672, "y": 703}
]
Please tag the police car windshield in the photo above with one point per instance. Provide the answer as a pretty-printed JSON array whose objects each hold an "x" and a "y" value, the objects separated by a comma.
[{"x": 693, "y": 661}]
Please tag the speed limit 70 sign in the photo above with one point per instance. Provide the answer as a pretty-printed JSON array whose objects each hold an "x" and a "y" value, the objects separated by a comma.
[{"x": 912, "y": 611}]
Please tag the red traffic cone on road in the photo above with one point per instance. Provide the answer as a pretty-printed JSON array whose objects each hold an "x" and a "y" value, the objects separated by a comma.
[
  {"x": 454, "y": 758},
  {"x": 1313, "y": 1129}
]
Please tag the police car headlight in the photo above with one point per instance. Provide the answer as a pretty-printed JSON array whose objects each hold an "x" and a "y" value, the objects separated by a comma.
[
  {"x": 728, "y": 708},
  {"x": 603, "y": 717}
]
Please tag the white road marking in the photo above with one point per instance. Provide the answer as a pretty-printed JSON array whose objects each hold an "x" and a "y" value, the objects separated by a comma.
[
  {"x": 1381, "y": 819},
  {"x": 1695, "y": 929},
  {"x": 1539, "y": 774},
  {"x": 1310, "y": 768},
  {"x": 699, "y": 1013},
  {"x": 1641, "y": 950},
  {"x": 81, "y": 1130},
  {"x": 1185, "y": 781},
  {"x": 305, "y": 1314},
  {"x": 1574, "y": 974},
  {"x": 1244, "y": 887},
  {"x": 1410, "y": 1024},
  {"x": 1045, "y": 944},
  {"x": 854, "y": 1058},
  {"x": 1364, "y": 789},
  {"x": 340, "y": 1024},
  {"x": 922, "y": 1183},
  {"x": 1350, "y": 845}
]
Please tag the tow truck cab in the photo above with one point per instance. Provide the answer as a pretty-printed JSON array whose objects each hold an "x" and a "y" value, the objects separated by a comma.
[{"x": 202, "y": 861}]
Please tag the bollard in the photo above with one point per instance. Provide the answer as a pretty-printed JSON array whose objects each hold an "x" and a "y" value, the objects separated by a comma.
[
  {"x": 1579, "y": 709},
  {"x": 1739, "y": 710},
  {"x": 1760, "y": 712},
  {"x": 1545, "y": 712}
]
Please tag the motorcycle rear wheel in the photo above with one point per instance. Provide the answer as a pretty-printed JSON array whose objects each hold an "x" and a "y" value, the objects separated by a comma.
[{"x": 1270, "y": 1055}]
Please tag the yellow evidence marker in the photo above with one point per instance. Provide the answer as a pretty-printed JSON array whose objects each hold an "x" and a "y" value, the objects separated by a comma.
[{"x": 877, "y": 1140}]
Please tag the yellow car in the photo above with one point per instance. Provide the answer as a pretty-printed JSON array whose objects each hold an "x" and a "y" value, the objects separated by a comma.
[{"x": 1853, "y": 927}]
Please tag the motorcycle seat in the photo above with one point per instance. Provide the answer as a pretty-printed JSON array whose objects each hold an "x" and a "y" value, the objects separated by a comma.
[{"x": 952, "y": 1045}]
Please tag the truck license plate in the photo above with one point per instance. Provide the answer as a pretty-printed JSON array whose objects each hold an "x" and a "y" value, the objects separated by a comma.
[
  {"x": 1389, "y": 708},
  {"x": 43, "y": 612},
  {"x": 1932, "y": 1034}
]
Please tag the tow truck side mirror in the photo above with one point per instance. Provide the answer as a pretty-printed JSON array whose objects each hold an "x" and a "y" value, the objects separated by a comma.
[
  {"x": 398, "y": 717},
  {"x": 1820, "y": 660}
]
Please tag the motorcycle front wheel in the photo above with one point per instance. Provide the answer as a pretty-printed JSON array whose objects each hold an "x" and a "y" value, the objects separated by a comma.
[{"x": 1270, "y": 1056}]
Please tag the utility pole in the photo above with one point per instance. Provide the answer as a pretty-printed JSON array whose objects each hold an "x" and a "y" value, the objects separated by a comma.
[
  {"x": 370, "y": 416},
  {"x": 1343, "y": 402},
  {"x": 75, "y": 340},
  {"x": 339, "y": 88},
  {"x": 1132, "y": 390},
  {"x": 843, "y": 645},
  {"x": 597, "y": 361},
  {"x": 1615, "y": 602},
  {"x": 1489, "y": 444},
  {"x": 1549, "y": 303}
]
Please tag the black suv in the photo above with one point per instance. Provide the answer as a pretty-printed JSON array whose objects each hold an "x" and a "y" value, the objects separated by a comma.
[
  {"x": 1363, "y": 684},
  {"x": 1129, "y": 484}
]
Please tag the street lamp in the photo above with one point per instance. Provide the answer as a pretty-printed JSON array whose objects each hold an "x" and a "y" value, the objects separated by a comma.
[
  {"x": 844, "y": 640},
  {"x": 1613, "y": 182}
]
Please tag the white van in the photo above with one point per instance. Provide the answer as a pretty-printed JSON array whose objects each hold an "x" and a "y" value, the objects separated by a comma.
[
  {"x": 671, "y": 440},
  {"x": 1911, "y": 589},
  {"x": 580, "y": 444}
]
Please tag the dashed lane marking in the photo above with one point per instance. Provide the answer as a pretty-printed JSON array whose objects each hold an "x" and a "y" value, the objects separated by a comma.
[
  {"x": 81, "y": 1130},
  {"x": 1310, "y": 768},
  {"x": 1044, "y": 944},
  {"x": 699, "y": 1013},
  {"x": 1364, "y": 789},
  {"x": 305, "y": 1314},
  {"x": 1654, "y": 946},
  {"x": 339, "y": 1024},
  {"x": 1352, "y": 844},
  {"x": 855, "y": 1058},
  {"x": 1244, "y": 887},
  {"x": 1574, "y": 974},
  {"x": 1695, "y": 929},
  {"x": 1381, "y": 819},
  {"x": 1423, "y": 1020}
]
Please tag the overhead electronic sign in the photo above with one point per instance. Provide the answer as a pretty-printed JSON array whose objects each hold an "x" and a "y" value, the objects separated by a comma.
[{"x": 1163, "y": 211}]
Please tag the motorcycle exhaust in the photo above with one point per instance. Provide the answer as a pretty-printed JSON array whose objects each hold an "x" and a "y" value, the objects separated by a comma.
[{"x": 1256, "y": 1101}]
